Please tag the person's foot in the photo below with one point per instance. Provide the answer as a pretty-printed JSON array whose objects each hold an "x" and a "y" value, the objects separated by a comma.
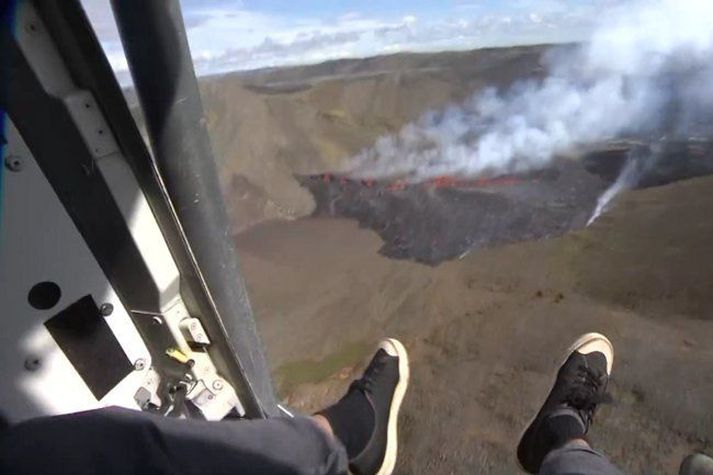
[
  {"x": 568, "y": 411},
  {"x": 696, "y": 464},
  {"x": 365, "y": 419}
]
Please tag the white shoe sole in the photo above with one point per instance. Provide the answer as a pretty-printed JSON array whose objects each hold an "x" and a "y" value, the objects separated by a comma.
[
  {"x": 392, "y": 345},
  {"x": 585, "y": 344}
]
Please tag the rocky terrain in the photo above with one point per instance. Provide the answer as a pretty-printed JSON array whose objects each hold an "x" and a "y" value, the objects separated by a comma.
[
  {"x": 487, "y": 282},
  {"x": 267, "y": 126}
]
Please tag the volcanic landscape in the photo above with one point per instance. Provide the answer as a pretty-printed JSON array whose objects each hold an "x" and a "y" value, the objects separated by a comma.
[
  {"x": 486, "y": 279},
  {"x": 446, "y": 217}
]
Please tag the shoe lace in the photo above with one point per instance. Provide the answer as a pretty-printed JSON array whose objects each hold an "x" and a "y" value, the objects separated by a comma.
[
  {"x": 366, "y": 382},
  {"x": 586, "y": 392}
]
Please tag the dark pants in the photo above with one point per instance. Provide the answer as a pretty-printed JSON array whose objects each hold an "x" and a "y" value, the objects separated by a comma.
[
  {"x": 575, "y": 459},
  {"x": 119, "y": 441}
]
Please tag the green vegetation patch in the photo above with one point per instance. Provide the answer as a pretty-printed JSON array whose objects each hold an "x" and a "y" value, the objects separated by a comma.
[{"x": 294, "y": 373}]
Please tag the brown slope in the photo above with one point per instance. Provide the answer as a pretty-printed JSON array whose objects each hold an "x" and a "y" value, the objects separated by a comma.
[
  {"x": 269, "y": 125},
  {"x": 486, "y": 332}
]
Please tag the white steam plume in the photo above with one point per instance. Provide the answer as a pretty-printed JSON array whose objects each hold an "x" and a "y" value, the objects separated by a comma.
[
  {"x": 627, "y": 179},
  {"x": 645, "y": 70}
]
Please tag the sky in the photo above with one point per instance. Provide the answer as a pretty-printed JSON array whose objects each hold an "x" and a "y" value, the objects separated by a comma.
[{"x": 229, "y": 35}]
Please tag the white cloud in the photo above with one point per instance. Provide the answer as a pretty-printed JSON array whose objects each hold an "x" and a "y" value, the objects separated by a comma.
[
  {"x": 350, "y": 16},
  {"x": 409, "y": 19},
  {"x": 645, "y": 72},
  {"x": 535, "y": 18},
  {"x": 227, "y": 36}
]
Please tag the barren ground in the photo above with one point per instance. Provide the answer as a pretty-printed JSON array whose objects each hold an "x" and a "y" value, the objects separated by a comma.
[{"x": 485, "y": 333}]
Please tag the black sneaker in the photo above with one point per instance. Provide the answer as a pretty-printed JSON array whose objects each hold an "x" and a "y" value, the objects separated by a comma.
[
  {"x": 365, "y": 419},
  {"x": 568, "y": 411}
]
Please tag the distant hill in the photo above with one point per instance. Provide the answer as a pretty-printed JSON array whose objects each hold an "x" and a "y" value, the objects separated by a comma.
[{"x": 269, "y": 124}]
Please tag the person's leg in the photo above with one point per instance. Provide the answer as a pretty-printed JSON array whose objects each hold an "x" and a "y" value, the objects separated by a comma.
[
  {"x": 130, "y": 442},
  {"x": 365, "y": 419},
  {"x": 577, "y": 457},
  {"x": 359, "y": 431},
  {"x": 555, "y": 443}
]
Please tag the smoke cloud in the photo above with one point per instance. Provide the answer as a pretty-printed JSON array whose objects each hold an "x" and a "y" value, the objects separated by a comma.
[{"x": 645, "y": 72}]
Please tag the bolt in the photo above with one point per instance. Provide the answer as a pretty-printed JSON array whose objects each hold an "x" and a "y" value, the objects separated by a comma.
[
  {"x": 106, "y": 309},
  {"x": 157, "y": 321},
  {"x": 217, "y": 385},
  {"x": 139, "y": 364},
  {"x": 32, "y": 363},
  {"x": 14, "y": 163}
]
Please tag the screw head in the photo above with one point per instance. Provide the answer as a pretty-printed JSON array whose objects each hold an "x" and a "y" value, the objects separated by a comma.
[
  {"x": 106, "y": 309},
  {"x": 14, "y": 163},
  {"x": 139, "y": 364},
  {"x": 217, "y": 385},
  {"x": 32, "y": 363},
  {"x": 157, "y": 321}
]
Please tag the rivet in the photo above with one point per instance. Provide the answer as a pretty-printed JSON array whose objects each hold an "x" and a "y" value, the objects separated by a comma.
[
  {"x": 14, "y": 163},
  {"x": 106, "y": 309}
]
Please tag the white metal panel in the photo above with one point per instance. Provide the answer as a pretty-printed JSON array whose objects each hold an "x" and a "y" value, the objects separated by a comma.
[
  {"x": 47, "y": 63},
  {"x": 90, "y": 121},
  {"x": 144, "y": 229},
  {"x": 43, "y": 55},
  {"x": 39, "y": 242}
]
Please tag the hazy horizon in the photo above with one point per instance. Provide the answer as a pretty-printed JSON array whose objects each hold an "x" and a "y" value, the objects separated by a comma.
[{"x": 243, "y": 35}]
